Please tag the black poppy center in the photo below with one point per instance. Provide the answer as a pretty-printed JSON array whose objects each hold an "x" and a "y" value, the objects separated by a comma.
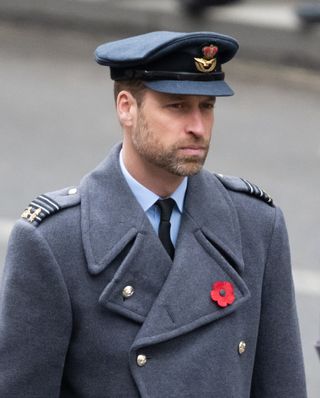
[{"x": 222, "y": 292}]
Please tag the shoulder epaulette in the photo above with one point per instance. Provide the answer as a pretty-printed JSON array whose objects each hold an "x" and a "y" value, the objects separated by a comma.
[
  {"x": 50, "y": 203},
  {"x": 241, "y": 185}
]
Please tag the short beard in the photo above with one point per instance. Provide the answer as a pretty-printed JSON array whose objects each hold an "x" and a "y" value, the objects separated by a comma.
[{"x": 151, "y": 149}]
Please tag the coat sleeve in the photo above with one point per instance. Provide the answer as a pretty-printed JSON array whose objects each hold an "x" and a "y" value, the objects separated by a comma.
[
  {"x": 35, "y": 318},
  {"x": 278, "y": 370}
]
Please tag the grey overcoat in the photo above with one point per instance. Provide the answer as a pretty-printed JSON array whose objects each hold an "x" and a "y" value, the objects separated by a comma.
[{"x": 67, "y": 331}]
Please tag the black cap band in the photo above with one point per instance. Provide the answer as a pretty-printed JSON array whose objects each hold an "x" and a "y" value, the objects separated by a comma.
[{"x": 147, "y": 75}]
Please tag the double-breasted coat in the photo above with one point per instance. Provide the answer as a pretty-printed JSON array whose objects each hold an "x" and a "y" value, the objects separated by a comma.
[{"x": 66, "y": 329}]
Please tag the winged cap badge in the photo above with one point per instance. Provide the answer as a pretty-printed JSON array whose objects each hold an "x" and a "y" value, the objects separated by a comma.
[{"x": 208, "y": 62}]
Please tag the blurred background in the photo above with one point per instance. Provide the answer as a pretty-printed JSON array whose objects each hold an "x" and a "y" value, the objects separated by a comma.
[{"x": 57, "y": 114}]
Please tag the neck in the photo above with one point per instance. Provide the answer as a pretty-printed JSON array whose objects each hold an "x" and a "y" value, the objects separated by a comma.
[{"x": 156, "y": 179}]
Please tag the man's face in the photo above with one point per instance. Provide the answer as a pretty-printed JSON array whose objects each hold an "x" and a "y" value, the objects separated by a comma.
[{"x": 173, "y": 132}]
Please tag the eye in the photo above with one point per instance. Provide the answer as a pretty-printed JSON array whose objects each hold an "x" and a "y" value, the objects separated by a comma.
[
  {"x": 208, "y": 105},
  {"x": 176, "y": 105}
]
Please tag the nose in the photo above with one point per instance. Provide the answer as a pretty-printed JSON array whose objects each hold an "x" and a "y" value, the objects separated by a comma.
[{"x": 196, "y": 124}]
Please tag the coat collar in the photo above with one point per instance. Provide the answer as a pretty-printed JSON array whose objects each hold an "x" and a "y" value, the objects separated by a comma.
[
  {"x": 171, "y": 299},
  {"x": 111, "y": 216},
  {"x": 210, "y": 207}
]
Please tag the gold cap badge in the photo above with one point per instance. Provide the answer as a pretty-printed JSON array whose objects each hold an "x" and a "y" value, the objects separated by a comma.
[{"x": 208, "y": 62}]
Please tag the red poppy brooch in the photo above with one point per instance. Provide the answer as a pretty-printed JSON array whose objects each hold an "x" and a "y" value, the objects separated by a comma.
[{"x": 222, "y": 293}]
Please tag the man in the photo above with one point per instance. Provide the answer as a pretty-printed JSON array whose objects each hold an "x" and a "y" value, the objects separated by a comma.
[{"x": 153, "y": 278}]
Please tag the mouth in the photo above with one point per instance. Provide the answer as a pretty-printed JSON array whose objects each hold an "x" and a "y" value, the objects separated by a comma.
[{"x": 193, "y": 150}]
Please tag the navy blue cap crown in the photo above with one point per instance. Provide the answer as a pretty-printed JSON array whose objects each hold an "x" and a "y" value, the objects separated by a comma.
[{"x": 172, "y": 62}]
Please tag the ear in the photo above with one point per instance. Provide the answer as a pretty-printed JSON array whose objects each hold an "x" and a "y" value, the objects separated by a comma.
[{"x": 126, "y": 108}]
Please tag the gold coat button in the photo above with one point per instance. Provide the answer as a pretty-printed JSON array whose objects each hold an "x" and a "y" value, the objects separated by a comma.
[
  {"x": 127, "y": 291},
  {"x": 141, "y": 360},
  {"x": 242, "y": 347}
]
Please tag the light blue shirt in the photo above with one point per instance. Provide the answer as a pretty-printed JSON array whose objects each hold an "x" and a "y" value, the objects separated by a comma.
[{"x": 147, "y": 199}]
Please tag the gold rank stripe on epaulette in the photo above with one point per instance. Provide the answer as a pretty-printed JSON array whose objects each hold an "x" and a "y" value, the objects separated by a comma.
[
  {"x": 258, "y": 192},
  {"x": 39, "y": 209}
]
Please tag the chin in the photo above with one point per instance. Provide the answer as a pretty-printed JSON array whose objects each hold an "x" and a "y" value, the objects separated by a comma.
[{"x": 188, "y": 171}]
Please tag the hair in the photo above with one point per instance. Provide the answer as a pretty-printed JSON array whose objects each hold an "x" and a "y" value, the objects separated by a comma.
[{"x": 135, "y": 87}]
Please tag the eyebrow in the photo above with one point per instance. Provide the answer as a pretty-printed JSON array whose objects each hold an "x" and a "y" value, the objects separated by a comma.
[{"x": 211, "y": 98}]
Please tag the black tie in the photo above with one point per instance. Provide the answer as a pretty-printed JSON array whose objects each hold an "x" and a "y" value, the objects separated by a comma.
[{"x": 166, "y": 207}]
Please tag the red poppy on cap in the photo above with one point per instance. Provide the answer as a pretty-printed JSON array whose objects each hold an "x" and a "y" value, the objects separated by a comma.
[{"x": 222, "y": 293}]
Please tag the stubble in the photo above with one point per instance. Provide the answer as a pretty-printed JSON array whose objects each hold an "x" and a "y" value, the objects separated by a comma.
[{"x": 153, "y": 151}]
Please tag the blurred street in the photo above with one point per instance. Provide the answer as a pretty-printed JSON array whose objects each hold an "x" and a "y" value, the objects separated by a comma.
[
  {"x": 270, "y": 30},
  {"x": 57, "y": 122}
]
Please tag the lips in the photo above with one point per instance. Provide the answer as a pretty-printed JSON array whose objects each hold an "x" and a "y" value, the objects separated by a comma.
[
  {"x": 193, "y": 147},
  {"x": 193, "y": 150}
]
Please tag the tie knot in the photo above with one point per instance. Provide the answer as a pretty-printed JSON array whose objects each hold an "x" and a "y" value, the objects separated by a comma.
[{"x": 166, "y": 207}]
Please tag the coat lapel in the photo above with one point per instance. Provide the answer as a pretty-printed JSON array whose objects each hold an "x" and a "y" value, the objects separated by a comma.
[
  {"x": 208, "y": 250},
  {"x": 119, "y": 239},
  {"x": 170, "y": 298},
  {"x": 110, "y": 215}
]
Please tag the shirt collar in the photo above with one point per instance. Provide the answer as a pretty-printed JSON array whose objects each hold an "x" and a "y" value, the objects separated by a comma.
[{"x": 147, "y": 198}]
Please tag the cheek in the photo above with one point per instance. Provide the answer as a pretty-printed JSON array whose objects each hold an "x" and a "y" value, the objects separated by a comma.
[
  {"x": 164, "y": 128},
  {"x": 209, "y": 122}
]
